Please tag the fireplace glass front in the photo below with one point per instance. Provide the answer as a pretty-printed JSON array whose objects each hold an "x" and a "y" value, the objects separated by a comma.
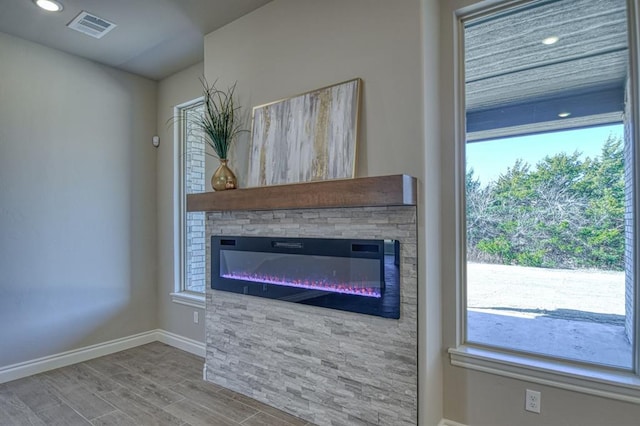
[{"x": 353, "y": 275}]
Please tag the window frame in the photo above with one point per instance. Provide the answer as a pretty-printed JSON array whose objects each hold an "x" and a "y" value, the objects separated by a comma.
[
  {"x": 180, "y": 294},
  {"x": 592, "y": 379}
]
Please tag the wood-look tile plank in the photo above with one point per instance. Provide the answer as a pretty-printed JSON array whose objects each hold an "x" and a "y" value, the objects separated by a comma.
[
  {"x": 15, "y": 412},
  {"x": 287, "y": 418},
  {"x": 153, "y": 371},
  {"x": 188, "y": 373},
  {"x": 147, "y": 389},
  {"x": 85, "y": 402},
  {"x": 209, "y": 397},
  {"x": 80, "y": 375},
  {"x": 183, "y": 357},
  {"x": 115, "y": 418},
  {"x": 36, "y": 393},
  {"x": 208, "y": 389},
  {"x": 106, "y": 366},
  {"x": 197, "y": 415},
  {"x": 184, "y": 364},
  {"x": 140, "y": 410},
  {"x": 264, "y": 419},
  {"x": 62, "y": 415},
  {"x": 283, "y": 416}
]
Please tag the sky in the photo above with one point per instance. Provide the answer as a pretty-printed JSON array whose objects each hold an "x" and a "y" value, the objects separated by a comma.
[{"x": 489, "y": 159}]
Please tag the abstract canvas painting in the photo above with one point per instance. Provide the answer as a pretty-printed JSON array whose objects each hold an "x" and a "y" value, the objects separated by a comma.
[{"x": 306, "y": 138}]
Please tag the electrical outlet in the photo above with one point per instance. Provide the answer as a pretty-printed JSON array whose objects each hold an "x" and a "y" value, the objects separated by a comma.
[
  {"x": 195, "y": 317},
  {"x": 532, "y": 401}
]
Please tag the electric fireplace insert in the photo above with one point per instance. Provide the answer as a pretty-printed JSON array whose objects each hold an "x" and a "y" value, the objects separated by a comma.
[{"x": 351, "y": 275}]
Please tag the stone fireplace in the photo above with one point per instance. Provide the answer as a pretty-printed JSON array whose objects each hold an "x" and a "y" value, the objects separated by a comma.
[{"x": 330, "y": 367}]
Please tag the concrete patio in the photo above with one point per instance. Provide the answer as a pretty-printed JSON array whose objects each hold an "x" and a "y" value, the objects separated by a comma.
[{"x": 574, "y": 314}]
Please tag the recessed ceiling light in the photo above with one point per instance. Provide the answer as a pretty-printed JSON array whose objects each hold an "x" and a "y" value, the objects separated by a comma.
[
  {"x": 564, "y": 114},
  {"x": 49, "y": 5},
  {"x": 550, "y": 40}
]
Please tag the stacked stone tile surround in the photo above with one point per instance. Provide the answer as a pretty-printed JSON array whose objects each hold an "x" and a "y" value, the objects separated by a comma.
[
  {"x": 329, "y": 367},
  {"x": 628, "y": 215}
]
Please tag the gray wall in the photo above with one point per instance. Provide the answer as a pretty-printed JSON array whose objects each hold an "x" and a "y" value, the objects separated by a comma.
[
  {"x": 477, "y": 398},
  {"x": 177, "y": 89},
  {"x": 292, "y": 46},
  {"x": 77, "y": 202}
]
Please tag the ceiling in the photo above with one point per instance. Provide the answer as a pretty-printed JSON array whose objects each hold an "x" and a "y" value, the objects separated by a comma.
[
  {"x": 153, "y": 38},
  {"x": 514, "y": 80}
]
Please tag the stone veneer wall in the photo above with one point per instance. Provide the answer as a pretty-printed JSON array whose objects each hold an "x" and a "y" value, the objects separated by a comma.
[
  {"x": 628, "y": 214},
  {"x": 329, "y": 367},
  {"x": 194, "y": 181}
]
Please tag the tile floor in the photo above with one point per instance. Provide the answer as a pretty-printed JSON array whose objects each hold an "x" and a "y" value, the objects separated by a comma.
[{"x": 154, "y": 384}]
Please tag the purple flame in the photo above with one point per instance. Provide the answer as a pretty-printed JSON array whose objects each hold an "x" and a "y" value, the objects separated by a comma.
[{"x": 309, "y": 284}]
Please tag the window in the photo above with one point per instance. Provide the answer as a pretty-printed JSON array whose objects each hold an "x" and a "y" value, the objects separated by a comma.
[
  {"x": 548, "y": 218},
  {"x": 191, "y": 166},
  {"x": 545, "y": 245}
]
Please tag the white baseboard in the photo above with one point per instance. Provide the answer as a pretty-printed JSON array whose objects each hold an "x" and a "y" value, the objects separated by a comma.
[
  {"x": 40, "y": 365},
  {"x": 445, "y": 422},
  {"x": 180, "y": 342}
]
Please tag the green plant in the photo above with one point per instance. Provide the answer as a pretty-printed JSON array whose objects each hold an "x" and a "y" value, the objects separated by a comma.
[
  {"x": 221, "y": 121},
  {"x": 565, "y": 212}
]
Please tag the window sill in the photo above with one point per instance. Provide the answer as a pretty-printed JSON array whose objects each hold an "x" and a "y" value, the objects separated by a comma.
[
  {"x": 603, "y": 382},
  {"x": 194, "y": 300}
]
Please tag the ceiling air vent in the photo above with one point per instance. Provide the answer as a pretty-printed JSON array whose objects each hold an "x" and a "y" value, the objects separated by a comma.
[{"x": 91, "y": 25}]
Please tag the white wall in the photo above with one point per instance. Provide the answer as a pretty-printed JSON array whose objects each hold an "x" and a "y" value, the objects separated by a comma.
[
  {"x": 77, "y": 202},
  {"x": 292, "y": 46},
  {"x": 174, "y": 90},
  {"x": 472, "y": 397}
]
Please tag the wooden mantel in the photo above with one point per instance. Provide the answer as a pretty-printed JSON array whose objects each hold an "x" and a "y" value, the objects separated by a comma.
[{"x": 395, "y": 190}]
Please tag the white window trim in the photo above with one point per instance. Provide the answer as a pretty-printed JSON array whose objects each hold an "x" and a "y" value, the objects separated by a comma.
[
  {"x": 574, "y": 376},
  {"x": 187, "y": 298},
  {"x": 592, "y": 380},
  {"x": 180, "y": 295}
]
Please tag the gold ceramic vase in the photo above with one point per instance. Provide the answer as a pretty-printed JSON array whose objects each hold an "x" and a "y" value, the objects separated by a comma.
[{"x": 223, "y": 178}]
